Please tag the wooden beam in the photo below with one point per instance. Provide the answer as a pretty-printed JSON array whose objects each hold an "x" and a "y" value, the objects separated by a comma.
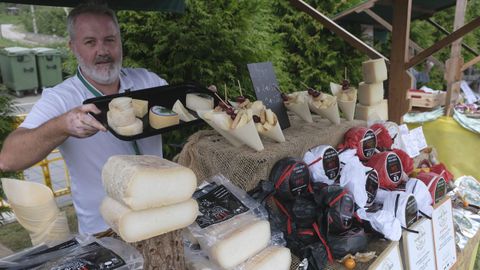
[
  {"x": 412, "y": 44},
  {"x": 470, "y": 63},
  {"x": 340, "y": 31},
  {"x": 356, "y": 9},
  {"x": 399, "y": 81},
  {"x": 446, "y": 32},
  {"x": 467, "y": 28}
]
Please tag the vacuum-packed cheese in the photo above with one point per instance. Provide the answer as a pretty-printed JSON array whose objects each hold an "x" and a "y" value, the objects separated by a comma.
[
  {"x": 135, "y": 226},
  {"x": 140, "y": 107},
  {"x": 375, "y": 112},
  {"x": 374, "y": 70},
  {"x": 271, "y": 258},
  {"x": 370, "y": 93},
  {"x": 199, "y": 101},
  {"x": 241, "y": 244},
  {"x": 161, "y": 117},
  {"x": 142, "y": 182}
]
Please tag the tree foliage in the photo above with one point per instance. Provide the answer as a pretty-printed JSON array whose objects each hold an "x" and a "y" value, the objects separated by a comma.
[{"x": 50, "y": 20}]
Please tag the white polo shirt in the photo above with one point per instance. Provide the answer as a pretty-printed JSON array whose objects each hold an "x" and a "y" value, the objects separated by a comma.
[{"x": 85, "y": 157}]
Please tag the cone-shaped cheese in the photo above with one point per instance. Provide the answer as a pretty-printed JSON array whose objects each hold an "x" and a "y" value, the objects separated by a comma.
[
  {"x": 241, "y": 244},
  {"x": 327, "y": 109},
  {"x": 182, "y": 112},
  {"x": 221, "y": 122},
  {"x": 135, "y": 226},
  {"x": 271, "y": 258},
  {"x": 347, "y": 101},
  {"x": 275, "y": 132},
  {"x": 248, "y": 134},
  {"x": 298, "y": 103},
  {"x": 142, "y": 182}
]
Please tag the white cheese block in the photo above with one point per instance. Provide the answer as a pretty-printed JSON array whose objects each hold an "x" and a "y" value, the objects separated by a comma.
[
  {"x": 142, "y": 182},
  {"x": 374, "y": 70},
  {"x": 140, "y": 107},
  {"x": 120, "y": 103},
  {"x": 161, "y": 117},
  {"x": 370, "y": 93},
  {"x": 241, "y": 244},
  {"x": 199, "y": 101},
  {"x": 133, "y": 226},
  {"x": 182, "y": 112},
  {"x": 117, "y": 118},
  {"x": 130, "y": 130},
  {"x": 374, "y": 112},
  {"x": 271, "y": 258}
]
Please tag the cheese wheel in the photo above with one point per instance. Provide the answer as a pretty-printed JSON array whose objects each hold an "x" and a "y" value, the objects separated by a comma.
[
  {"x": 130, "y": 130},
  {"x": 135, "y": 226},
  {"x": 241, "y": 244},
  {"x": 120, "y": 103},
  {"x": 374, "y": 70},
  {"x": 161, "y": 117},
  {"x": 374, "y": 112},
  {"x": 271, "y": 258},
  {"x": 182, "y": 112},
  {"x": 370, "y": 93},
  {"x": 140, "y": 107},
  {"x": 116, "y": 118},
  {"x": 142, "y": 182},
  {"x": 198, "y": 101}
]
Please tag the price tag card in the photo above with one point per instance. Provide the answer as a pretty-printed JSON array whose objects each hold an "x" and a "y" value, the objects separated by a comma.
[
  {"x": 265, "y": 83},
  {"x": 389, "y": 259},
  {"x": 419, "y": 137},
  {"x": 409, "y": 145},
  {"x": 418, "y": 247},
  {"x": 443, "y": 234}
]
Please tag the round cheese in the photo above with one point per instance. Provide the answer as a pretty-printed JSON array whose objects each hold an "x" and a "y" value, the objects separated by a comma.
[
  {"x": 161, "y": 117},
  {"x": 198, "y": 101},
  {"x": 130, "y": 130},
  {"x": 117, "y": 118},
  {"x": 120, "y": 103}
]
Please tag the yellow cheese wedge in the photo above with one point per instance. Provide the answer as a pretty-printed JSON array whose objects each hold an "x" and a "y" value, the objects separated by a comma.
[
  {"x": 374, "y": 70},
  {"x": 140, "y": 107},
  {"x": 161, "y": 117}
]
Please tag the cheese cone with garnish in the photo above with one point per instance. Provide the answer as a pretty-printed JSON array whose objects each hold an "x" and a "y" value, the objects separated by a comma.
[
  {"x": 243, "y": 129},
  {"x": 347, "y": 101},
  {"x": 298, "y": 103},
  {"x": 266, "y": 122},
  {"x": 221, "y": 122},
  {"x": 325, "y": 105}
]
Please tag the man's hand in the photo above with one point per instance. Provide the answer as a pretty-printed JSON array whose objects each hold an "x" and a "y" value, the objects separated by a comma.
[{"x": 80, "y": 124}]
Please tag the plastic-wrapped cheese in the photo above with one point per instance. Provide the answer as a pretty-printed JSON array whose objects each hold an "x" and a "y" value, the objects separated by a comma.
[
  {"x": 140, "y": 107},
  {"x": 161, "y": 117},
  {"x": 374, "y": 70},
  {"x": 199, "y": 101},
  {"x": 271, "y": 258},
  {"x": 142, "y": 182},
  {"x": 370, "y": 93},
  {"x": 241, "y": 244},
  {"x": 374, "y": 112},
  {"x": 135, "y": 226}
]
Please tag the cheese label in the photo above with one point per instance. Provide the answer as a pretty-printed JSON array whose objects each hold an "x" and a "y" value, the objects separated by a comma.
[
  {"x": 411, "y": 211},
  {"x": 369, "y": 143},
  {"x": 159, "y": 110},
  {"x": 440, "y": 190},
  {"x": 394, "y": 167},
  {"x": 331, "y": 163},
  {"x": 371, "y": 186},
  {"x": 217, "y": 205}
]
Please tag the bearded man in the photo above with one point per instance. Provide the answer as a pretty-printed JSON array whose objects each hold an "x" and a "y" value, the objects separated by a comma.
[{"x": 60, "y": 120}]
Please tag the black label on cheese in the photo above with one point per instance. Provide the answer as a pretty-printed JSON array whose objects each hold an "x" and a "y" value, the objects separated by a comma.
[
  {"x": 331, "y": 163},
  {"x": 299, "y": 178},
  {"x": 371, "y": 186},
  {"x": 411, "y": 211},
  {"x": 440, "y": 189},
  {"x": 218, "y": 205},
  {"x": 394, "y": 167},
  {"x": 369, "y": 143}
]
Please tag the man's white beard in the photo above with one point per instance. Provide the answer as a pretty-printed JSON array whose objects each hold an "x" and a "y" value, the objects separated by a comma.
[{"x": 101, "y": 75}]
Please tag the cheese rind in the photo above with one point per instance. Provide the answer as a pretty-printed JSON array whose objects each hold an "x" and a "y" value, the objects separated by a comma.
[
  {"x": 140, "y": 107},
  {"x": 135, "y": 226},
  {"x": 241, "y": 244},
  {"x": 374, "y": 112},
  {"x": 199, "y": 101},
  {"x": 271, "y": 258},
  {"x": 374, "y": 70},
  {"x": 370, "y": 93},
  {"x": 161, "y": 117},
  {"x": 142, "y": 182}
]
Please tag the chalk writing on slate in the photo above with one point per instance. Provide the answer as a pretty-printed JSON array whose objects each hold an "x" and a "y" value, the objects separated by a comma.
[{"x": 264, "y": 83}]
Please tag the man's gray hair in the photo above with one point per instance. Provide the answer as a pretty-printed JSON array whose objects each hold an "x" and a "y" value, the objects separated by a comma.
[{"x": 88, "y": 8}]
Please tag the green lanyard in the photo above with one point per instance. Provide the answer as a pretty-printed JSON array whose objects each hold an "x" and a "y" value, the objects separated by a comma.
[{"x": 97, "y": 93}]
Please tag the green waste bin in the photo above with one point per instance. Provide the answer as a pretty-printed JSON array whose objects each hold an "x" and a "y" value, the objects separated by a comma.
[
  {"x": 19, "y": 70},
  {"x": 49, "y": 66}
]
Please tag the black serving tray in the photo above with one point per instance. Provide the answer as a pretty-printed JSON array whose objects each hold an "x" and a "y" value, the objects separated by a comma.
[{"x": 163, "y": 96}]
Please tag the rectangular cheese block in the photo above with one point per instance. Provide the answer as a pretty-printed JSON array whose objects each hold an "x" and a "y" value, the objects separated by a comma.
[
  {"x": 374, "y": 112},
  {"x": 370, "y": 93},
  {"x": 133, "y": 226},
  {"x": 140, "y": 107},
  {"x": 374, "y": 70},
  {"x": 143, "y": 181},
  {"x": 271, "y": 258},
  {"x": 241, "y": 244}
]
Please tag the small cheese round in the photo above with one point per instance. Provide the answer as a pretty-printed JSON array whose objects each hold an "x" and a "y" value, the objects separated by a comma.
[
  {"x": 120, "y": 103},
  {"x": 117, "y": 118},
  {"x": 130, "y": 130},
  {"x": 161, "y": 117}
]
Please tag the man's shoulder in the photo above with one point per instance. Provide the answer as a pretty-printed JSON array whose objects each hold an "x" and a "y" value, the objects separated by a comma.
[
  {"x": 137, "y": 72},
  {"x": 143, "y": 78}
]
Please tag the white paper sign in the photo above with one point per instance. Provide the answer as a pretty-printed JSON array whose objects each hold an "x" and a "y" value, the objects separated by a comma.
[
  {"x": 444, "y": 235},
  {"x": 418, "y": 248},
  {"x": 389, "y": 259},
  {"x": 409, "y": 145},
  {"x": 469, "y": 95},
  {"x": 417, "y": 135}
]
